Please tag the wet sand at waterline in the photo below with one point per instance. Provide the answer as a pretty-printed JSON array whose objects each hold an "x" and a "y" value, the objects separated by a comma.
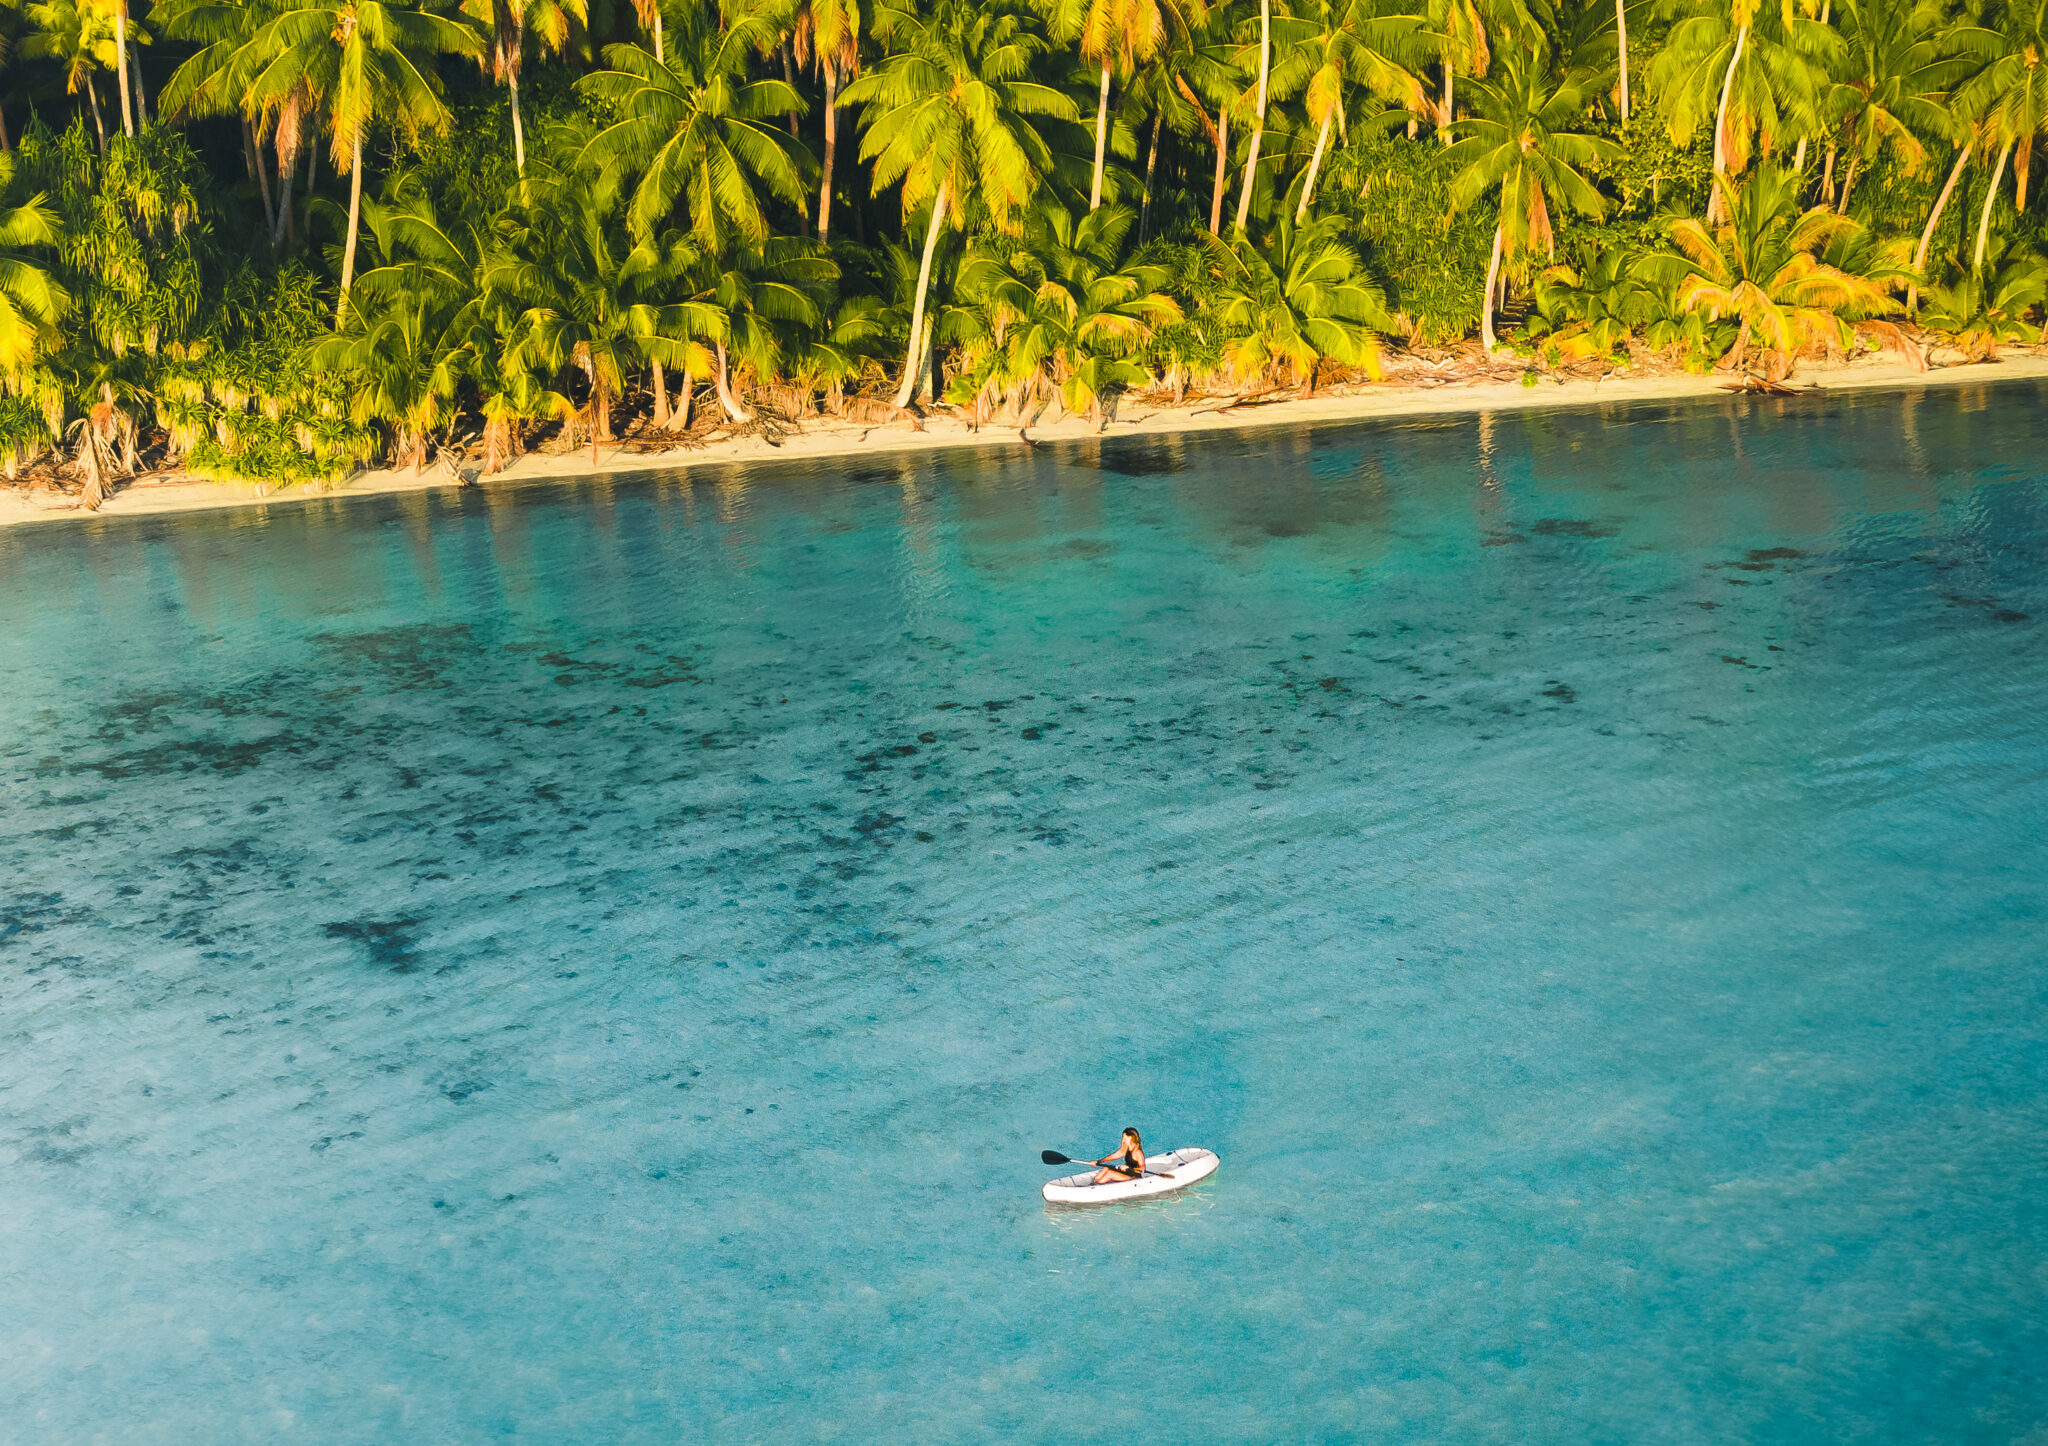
[{"x": 821, "y": 438}]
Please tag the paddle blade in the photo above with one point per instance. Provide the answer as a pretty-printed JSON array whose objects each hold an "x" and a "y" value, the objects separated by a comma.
[{"x": 1054, "y": 1157}]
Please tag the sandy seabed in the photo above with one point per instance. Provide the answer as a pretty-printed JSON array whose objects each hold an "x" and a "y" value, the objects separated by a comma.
[{"x": 824, "y": 438}]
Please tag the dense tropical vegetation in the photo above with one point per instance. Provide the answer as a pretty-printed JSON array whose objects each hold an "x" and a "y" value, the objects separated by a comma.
[{"x": 275, "y": 240}]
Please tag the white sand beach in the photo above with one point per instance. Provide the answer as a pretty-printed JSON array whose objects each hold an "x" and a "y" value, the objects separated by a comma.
[{"x": 822, "y": 438}]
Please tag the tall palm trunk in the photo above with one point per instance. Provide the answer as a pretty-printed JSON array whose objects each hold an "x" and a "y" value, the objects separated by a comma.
[
  {"x": 660, "y": 380},
  {"x": 1848, "y": 185},
  {"x": 1101, "y": 139},
  {"x": 1315, "y": 163},
  {"x": 252, "y": 157},
  {"x": 907, "y": 392},
  {"x": 1151, "y": 166},
  {"x": 6, "y": 141},
  {"x": 1990, "y": 195},
  {"x": 831, "y": 148},
  {"x": 510, "y": 58},
  {"x": 1486, "y": 336},
  {"x": 98, "y": 123},
  {"x": 287, "y": 163},
  {"x": 1955, "y": 174},
  {"x": 1222, "y": 160},
  {"x": 1443, "y": 123},
  {"x": 1621, "y": 34},
  {"x": 789, "y": 79},
  {"x": 1715, "y": 209},
  {"x": 141, "y": 100},
  {"x": 121, "y": 66},
  {"x": 355, "y": 212},
  {"x": 1251, "y": 163}
]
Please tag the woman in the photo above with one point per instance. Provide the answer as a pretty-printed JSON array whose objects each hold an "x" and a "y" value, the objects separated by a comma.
[{"x": 1127, "y": 1162}]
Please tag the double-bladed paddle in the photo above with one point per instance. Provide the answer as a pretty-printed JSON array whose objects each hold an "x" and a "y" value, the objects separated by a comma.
[{"x": 1054, "y": 1157}]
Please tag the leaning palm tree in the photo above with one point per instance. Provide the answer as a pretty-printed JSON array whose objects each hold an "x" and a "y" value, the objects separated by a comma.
[
  {"x": 32, "y": 302},
  {"x": 1297, "y": 297},
  {"x": 1758, "y": 69},
  {"x": 1900, "y": 71},
  {"x": 1766, "y": 268},
  {"x": 949, "y": 118},
  {"x": 361, "y": 63},
  {"x": 693, "y": 128},
  {"x": 1354, "y": 44},
  {"x": 1522, "y": 143},
  {"x": 2009, "y": 93}
]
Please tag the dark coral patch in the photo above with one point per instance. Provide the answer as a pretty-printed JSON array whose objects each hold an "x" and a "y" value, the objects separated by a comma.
[{"x": 391, "y": 944}]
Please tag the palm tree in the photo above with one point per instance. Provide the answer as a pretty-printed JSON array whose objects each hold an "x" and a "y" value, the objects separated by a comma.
[
  {"x": 948, "y": 116},
  {"x": 1987, "y": 306},
  {"x": 32, "y": 303},
  {"x": 2009, "y": 93},
  {"x": 1520, "y": 142},
  {"x": 1066, "y": 313},
  {"x": 693, "y": 128},
  {"x": 1765, "y": 266},
  {"x": 1354, "y": 43},
  {"x": 509, "y": 23},
  {"x": 1590, "y": 309},
  {"x": 1297, "y": 297},
  {"x": 1756, "y": 67},
  {"x": 80, "y": 38},
  {"x": 1251, "y": 163},
  {"x": 1901, "y": 71},
  {"x": 1463, "y": 32},
  {"x": 766, "y": 301},
  {"x": 831, "y": 30},
  {"x": 359, "y": 62},
  {"x": 1120, "y": 36},
  {"x": 588, "y": 297},
  {"x": 215, "y": 81},
  {"x": 402, "y": 344},
  {"x": 1621, "y": 48},
  {"x": 1207, "y": 68}
]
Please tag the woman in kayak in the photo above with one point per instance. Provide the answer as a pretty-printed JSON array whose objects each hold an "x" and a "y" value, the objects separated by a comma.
[{"x": 1127, "y": 1163}]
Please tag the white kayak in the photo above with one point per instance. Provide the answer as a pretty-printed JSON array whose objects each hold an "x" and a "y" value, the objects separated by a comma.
[{"x": 1176, "y": 1170}]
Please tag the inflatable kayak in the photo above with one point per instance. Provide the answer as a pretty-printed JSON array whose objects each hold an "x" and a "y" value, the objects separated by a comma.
[{"x": 1176, "y": 1170}]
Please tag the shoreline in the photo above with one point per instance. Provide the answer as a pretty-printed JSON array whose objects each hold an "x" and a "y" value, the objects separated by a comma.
[{"x": 824, "y": 439}]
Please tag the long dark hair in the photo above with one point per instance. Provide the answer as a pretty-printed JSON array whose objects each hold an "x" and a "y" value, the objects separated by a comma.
[{"x": 1132, "y": 1135}]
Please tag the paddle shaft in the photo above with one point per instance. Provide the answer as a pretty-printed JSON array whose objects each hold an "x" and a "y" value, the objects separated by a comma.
[{"x": 1047, "y": 1156}]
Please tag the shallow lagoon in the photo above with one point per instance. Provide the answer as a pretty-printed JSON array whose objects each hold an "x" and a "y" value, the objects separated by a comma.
[{"x": 598, "y": 964}]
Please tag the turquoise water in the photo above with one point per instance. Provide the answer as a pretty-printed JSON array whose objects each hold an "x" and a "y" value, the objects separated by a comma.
[{"x": 598, "y": 964}]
